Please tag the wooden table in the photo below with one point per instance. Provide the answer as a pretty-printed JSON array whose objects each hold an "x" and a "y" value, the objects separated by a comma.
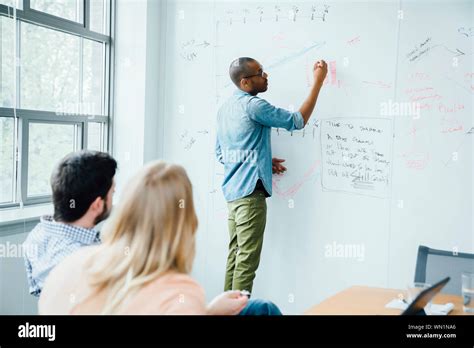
[{"x": 360, "y": 300}]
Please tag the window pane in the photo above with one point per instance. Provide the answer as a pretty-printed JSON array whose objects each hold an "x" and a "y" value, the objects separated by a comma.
[
  {"x": 93, "y": 77},
  {"x": 11, "y": 3},
  {"x": 6, "y": 159},
  {"x": 7, "y": 59},
  {"x": 49, "y": 70},
  {"x": 97, "y": 15},
  {"x": 47, "y": 144},
  {"x": 67, "y": 9},
  {"x": 95, "y": 139}
]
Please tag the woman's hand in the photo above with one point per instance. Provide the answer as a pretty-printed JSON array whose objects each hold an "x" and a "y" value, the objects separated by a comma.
[{"x": 227, "y": 303}]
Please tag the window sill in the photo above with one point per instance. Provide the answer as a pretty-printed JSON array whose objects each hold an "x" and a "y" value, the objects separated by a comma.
[{"x": 29, "y": 213}]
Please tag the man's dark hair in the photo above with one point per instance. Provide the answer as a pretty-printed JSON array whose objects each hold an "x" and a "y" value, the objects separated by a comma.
[
  {"x": 240, "y": 68},
  {"x": 78, "y": 180}
]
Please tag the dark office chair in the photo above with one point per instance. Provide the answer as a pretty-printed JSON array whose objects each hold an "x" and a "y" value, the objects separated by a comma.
[{"x": 433, "y": 265}]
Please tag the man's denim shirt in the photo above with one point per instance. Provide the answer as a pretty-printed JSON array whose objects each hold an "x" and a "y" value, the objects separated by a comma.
[{"x": 243, "y": 143}]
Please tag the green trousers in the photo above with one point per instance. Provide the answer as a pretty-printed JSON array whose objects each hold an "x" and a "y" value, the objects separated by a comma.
[{"x": 247, "y": 218}]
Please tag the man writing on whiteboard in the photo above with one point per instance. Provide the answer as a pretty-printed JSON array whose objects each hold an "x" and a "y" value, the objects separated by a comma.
[{"x": 243, "y": 146}]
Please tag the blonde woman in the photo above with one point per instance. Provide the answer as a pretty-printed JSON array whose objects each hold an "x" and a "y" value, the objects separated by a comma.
[{"x": 143, "y": 264}]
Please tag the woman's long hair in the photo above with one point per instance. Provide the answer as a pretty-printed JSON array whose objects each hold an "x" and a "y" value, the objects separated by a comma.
[{"x": 150, "y": 232}]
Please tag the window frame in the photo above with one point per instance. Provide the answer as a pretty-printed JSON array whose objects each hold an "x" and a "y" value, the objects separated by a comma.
[
  {"x": 23, "y": 117},
  {"x": 12, "y": 164}
]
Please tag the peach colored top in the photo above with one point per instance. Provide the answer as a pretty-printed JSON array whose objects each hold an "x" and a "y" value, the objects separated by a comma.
[{"x": 66, "y": 292}]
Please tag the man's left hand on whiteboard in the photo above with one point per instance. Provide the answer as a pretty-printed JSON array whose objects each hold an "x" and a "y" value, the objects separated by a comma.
[{"x": 277, "y": 166}]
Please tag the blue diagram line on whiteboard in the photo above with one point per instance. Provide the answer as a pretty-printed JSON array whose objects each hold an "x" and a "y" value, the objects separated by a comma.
[
  {"x": 291, "y": 57},
  {"x": 287, "y": 59}
]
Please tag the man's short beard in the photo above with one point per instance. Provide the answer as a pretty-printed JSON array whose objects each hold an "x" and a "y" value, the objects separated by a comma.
[{"x": 104, "y": 215}]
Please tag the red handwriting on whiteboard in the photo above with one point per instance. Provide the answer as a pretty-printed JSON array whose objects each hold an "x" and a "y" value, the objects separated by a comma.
[
  {"x": 416, "y": 160},
  {"x": 450, "y": 124},
  {"x": 458, "y": 128},
  {"x": 453, "y": 108},
  {"x": 331, "y": 77},
  {"x": 354, "y": 40},
  {"x": 421, "y": 76},
  {"x": 293, "y": 189},
  {"x": 423, "y": 95}
]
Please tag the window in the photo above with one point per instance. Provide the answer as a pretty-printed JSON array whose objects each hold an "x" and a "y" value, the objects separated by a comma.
[
  {"x": 98, "y": 19},
  {"x": 92, "y": 77},
  {"x": 7, "y": 59},
  {"x": 54, "y": 90},
  {"x": 49, "y": 70},
  {"x": 68, "y": 9},
  {"x": 47, "y": 143},
  {"x": 96, "y": 136},
  {"x": 10, "y": 3}
]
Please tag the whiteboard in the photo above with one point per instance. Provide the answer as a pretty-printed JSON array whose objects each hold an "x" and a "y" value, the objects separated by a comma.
[
  {"x": 356, "y": 155},
  {"x": 400, "y": 91}
]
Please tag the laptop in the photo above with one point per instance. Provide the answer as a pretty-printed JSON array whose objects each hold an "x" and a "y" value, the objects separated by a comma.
[{"x": 419, "y": 303}]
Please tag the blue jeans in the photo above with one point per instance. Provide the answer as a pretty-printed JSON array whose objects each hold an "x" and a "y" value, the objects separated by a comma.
[{"x": 260, "y": 307}]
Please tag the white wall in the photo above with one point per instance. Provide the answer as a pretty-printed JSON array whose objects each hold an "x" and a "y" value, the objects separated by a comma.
[
  {"x": 14, "y": 294},
  {"x": 137, "y": 61}
]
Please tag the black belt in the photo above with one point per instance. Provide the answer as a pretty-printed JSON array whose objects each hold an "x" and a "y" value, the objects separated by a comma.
[{"x": 259, "y": 187}]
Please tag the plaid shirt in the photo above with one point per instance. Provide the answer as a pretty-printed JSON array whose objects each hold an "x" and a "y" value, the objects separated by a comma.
[{"x": 48, "y": 244}]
